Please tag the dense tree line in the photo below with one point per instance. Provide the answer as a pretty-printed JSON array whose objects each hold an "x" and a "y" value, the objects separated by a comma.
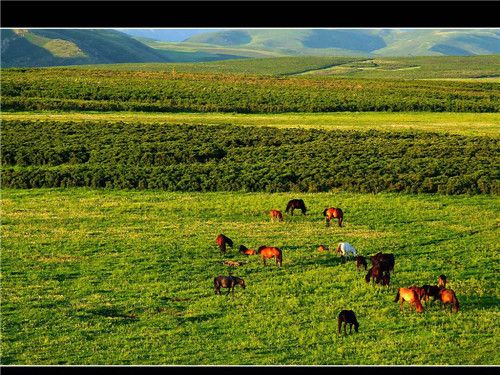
[
  {"x": 106, "y": 90},
  {"x": 233, "y": 158}
]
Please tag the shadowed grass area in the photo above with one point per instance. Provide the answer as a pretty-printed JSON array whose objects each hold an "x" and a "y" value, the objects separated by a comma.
[{"x": 126, "y": 277}]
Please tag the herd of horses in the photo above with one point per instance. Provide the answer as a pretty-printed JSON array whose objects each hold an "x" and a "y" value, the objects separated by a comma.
[{"x": 382, "y": 264}]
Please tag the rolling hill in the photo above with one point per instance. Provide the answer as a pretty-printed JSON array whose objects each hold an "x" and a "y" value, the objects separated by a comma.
[
  {"x": 353, "y": 42},
  {"x": 49, "y": 47}
]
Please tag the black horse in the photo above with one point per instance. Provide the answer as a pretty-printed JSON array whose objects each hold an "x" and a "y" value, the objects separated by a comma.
[
  {"x": 348, "y": 317},
  {"x": 296, "y": 203},
  {"x": 228, "y": 282},
  {"x": 380, "y": 257}
]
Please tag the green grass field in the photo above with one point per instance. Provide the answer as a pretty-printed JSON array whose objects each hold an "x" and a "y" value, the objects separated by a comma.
[
  {"x": 470, "y": 124},
  {"x": 126, "y": 277}
]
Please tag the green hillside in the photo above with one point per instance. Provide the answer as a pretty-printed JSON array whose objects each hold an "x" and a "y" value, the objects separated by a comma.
[
  {"x": 49, "y": 47},
  {"x": 367, "y": 42}
]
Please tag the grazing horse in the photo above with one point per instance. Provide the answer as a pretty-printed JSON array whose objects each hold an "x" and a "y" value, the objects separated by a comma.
[
  {"x": 267, "y": 252},
  {"x": 246, "y": 251},
  {"x": 442, "y": 281},
  {"x": 361, "y": 261},
  {"x": 447, "y": 296},
  {"x": 345, "y": 249},
  {"x": 276, "y": 214},
  {"x": 405, "y": 294},
  {"x": 420, "y": 291},
  {"x": 222, "y": 241},
  {"x": 348, "y": 317},
  {"x": 333, "y": 213},
  {"x": 228, "y": 282},
  {"x": 430, "y": 291},
  {"x": 380, "y": 257},
  {"x": 323, "y": 248},
  {"x": 375, "y": 273},
  {"x": 296, "y": 203}
]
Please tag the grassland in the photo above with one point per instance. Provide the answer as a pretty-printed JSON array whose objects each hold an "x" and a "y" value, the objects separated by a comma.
[
  {"x": 149, "y": 91},
  {"x": 126, "y": 277},
  {"x": 469, "y": 124},
  {"x": 483, "y": 67}
]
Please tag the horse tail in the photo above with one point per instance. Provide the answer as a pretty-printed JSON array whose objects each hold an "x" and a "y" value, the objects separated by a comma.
[
  {"x": 324, "y": 211},
  {"x": 397, "y": 297},
  {"x": 456, "y": 304}
]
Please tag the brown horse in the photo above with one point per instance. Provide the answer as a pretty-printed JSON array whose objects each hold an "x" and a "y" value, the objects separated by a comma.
[
  {"x": 442, "y": 281},
  {"x": 419, "y": 290},
  {"x": 323, "y": 248},
  {"x": 375, "y": 274},
  {"x": 246, "y": 251},
  {"x": 276, "y": 214},
  {"x": 361, "y": 261},
  {"x": 267, "y": 252},
  {"x": 333, "y": 213},
  {"x": 447, "y": 296},
  {"x": 227, "y": 282},
  {"x": 296, "y": 204},
  {"x": 430, "y": 291},
  {"x": 405, "y": 294},
  {"x": 348, "y": 317},
  {"x": 222, "y": 242}
]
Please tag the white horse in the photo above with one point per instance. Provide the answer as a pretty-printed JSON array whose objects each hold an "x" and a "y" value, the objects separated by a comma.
[{"x": 345, "y": 249}]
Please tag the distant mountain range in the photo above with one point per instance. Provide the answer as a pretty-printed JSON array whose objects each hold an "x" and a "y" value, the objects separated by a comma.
[{"x": 49, "y": 47}]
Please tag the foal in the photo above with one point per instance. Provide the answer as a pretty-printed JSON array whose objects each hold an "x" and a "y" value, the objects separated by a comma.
[
  {"x": 348, "y": 317},
  {"x": 276, "y": 215},
  {"x": 246, "y": 251}
]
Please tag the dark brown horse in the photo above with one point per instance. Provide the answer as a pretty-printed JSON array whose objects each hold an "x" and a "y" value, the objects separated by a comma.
[
  {"x": 296, "y": 204},
  {"x": 268, "y": 252},
  {"x": 246, "y": 251},
  {"x": 375, "y": 274},
  {"x": 222, "y": 242},
  {"x": 381, "y": 257},
  {"x": 276, "y": 215},
  {"x": 442, "y": 281},
  {"x": 227, "y": 282},
  {"x": 361, "y": 261},
  {"x": 447, "y": 296},
  {"x": 348, "y": 317},
  {"x": 333, "y": 213},
  {"x": 406, "y": 294},
  {"x": 430, "y": 291}
]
